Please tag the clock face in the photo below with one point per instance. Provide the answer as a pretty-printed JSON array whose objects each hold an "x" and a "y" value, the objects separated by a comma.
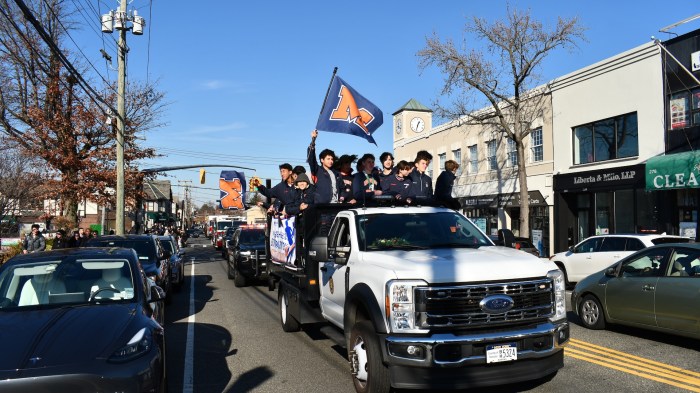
[
  {"x": 417, "y": 124},
  {"x": 399, "y": 126}
]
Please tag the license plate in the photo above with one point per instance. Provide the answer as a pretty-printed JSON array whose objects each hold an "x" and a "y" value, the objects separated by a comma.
[{"x": 501, "y": 353}]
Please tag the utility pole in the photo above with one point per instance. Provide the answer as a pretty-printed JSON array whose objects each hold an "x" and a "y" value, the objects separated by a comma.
[
  {"x": 119, "y": 21},
  {"x": 185, "y": 202},
  {"x": 121, "y": 87}
]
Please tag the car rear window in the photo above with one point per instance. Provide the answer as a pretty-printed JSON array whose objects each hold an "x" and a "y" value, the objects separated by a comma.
[
  {"x": 664, "y": 240},
  {"x": 142, "y": 248}
]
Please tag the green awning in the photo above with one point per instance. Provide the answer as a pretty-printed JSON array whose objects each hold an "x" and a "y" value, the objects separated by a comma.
[{"x": 673, "y": 171}]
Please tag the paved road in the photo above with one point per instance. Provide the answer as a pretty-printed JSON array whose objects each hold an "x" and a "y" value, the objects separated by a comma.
[{"x": 237, "y": 345}]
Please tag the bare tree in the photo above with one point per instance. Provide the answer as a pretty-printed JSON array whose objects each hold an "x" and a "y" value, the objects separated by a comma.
[
  {"x": 46, "y": 111},
  {"x": 20, "y": 184},
  {"x": 501, "y": 76}
]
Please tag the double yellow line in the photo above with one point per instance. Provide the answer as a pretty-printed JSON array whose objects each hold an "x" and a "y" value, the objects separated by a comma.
[{"x": 635, "y": 365}]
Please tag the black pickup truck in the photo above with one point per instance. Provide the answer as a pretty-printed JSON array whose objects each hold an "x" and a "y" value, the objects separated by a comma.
[{"x": 246, "y": 255}]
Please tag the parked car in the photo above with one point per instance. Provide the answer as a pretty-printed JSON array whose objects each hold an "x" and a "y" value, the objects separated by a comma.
[
  {"x": 657, "y": 288},
  {"x": 177, "y": 261},
  {"x": 195, "y": 233},
  {"x": 80, "y": 319},
  {"x": 246, "y": 255},
  {"x": 226, "y": 240},
  {"x": 599, "y": 252},
  {"x": 519, "y": 243},
  {"x": 154, "y": 259}
]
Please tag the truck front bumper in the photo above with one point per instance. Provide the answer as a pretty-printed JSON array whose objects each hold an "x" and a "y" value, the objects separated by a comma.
[{"x": 458, "y": 361}]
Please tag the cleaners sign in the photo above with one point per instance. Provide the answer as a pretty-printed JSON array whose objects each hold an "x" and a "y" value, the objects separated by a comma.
[{"x": 673, "y": 171}]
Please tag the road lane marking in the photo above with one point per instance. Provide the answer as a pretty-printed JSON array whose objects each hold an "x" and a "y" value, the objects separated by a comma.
[
  {"x": 624, "y": 356},
  {"x": 188, "y": 372},
  {"x": 635, "y": 365}
]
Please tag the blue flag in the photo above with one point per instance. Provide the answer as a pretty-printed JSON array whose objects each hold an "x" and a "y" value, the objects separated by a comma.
[
  {"x": 232, "y": 190},
  {"x": 347, "y": 112}
]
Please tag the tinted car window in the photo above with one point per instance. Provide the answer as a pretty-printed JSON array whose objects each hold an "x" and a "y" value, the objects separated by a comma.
[
  {"x": 590, "y": 245},
  {"x": 613, "y": 244},
  {"x": 634, "y": 244},
  {"x": 142, "y": 248}
]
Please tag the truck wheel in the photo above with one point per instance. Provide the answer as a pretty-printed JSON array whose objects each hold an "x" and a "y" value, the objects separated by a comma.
[
  {"x": 592, "y": 314},
  {"x": 370, "y": 375},
  {"x": 229, "y": 270},
  {"x": 239, "y": 280},
  {"x": 289, "y": 323}
]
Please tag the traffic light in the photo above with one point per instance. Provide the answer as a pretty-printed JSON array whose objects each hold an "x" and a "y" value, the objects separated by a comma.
[
  {"x": 202, "y": 176},
  {"x": 254, "y": 183}
]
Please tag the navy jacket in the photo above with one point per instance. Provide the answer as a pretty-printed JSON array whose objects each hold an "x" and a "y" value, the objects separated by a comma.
[
  {"x": 282, "y": 192},
  {"x": 300, "y": 196},
  {"x": 399, "y": 189},
  {"x": 360, "y": 190},
  {"x": 384, "y": 179},
  {"x": 324, "y": 192},
  {"x": 443, "y": 186},
  {"x": 421, "y": 185}
]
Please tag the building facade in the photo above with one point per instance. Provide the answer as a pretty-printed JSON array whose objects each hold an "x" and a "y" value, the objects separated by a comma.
[{"x": 487, "y": 183}]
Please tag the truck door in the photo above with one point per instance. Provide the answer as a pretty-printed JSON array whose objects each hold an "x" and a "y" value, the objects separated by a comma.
[{"x": 333, "y": 272}]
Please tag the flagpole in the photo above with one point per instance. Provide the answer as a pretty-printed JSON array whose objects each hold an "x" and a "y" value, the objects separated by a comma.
[{"x": 335, "y": 70}]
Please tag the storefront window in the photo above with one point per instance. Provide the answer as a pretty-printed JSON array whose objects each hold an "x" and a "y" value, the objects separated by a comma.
[
  {"x": 624, "y": 211},
  {"x": 603, "y": 213},
  {"x": 647, "y": 219},
  {"x": 680, "y": 110}
]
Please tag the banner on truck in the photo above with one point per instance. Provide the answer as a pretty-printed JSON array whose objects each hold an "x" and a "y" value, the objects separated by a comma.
[{"x": 283, "y": 241}]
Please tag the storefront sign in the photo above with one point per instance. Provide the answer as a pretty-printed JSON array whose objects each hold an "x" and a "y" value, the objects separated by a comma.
[
  {"x": 502, "y": 200},
  {"x": 626, "y": 177},
  {"x": 673, "y": 171}
]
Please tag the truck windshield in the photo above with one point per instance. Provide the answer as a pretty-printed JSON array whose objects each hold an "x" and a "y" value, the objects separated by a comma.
[{"x": 418, "y": 231}]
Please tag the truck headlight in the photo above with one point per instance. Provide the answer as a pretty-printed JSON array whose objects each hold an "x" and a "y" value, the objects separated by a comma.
[
  {"x": 400, "y": 306},
  {"x": 557, "y": 278},
  {"x": 246, "y": 253}
]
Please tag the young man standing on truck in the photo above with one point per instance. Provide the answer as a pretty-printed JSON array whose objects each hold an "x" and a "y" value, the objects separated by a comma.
[
  {"x": 365, "y": 185},
  {"x": 421, "y": 183},
  {"x": 304, "y": 196},
  {"x": 283, "y": 192},
  {"x": 328, "y": 180},
  {"x": 399, "y": 185}
]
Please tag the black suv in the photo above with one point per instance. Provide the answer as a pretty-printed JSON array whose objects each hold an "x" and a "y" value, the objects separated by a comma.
[
  {"x": 154, "y": 259},
  {"x": 246, "y": 255}
]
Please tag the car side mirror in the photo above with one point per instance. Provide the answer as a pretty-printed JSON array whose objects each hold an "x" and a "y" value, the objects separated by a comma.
[
  {"x": 181, "y": 253},
  {"x": 611, "y": 271},
  {"x": 571, "y": 248},
  {"x": 157, "y": 294}
]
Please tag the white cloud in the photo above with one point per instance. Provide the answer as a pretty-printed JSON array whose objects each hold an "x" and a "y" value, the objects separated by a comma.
[{"x": 213, "y": 84}]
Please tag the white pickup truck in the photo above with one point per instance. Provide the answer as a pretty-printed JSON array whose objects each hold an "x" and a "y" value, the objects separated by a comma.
[{"x": 424, "y": 299}]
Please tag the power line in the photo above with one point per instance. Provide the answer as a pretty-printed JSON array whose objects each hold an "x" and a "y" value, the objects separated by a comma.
[
  {"x": 62, "y": 57},
  {"x": 42, "y": 63}
]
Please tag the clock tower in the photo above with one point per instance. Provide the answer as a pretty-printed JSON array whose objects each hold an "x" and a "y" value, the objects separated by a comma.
[{"x": 411, "y": 120}]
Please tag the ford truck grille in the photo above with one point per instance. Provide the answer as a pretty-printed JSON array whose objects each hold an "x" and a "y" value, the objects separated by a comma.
[{"x": 459, "y": 305}]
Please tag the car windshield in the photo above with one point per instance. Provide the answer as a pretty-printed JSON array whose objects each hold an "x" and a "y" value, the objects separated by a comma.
[
  {"x": 252, "y": 236},
  {"x": 58, "y": 283},
  {"x": 418, "y": 231},
  {"x": 145, "y": 249}
]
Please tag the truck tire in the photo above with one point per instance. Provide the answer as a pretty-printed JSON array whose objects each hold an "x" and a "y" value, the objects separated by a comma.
[
  {"x": 229, "y": 270},
  {"x": 370, "y": 375},
  {"x": 239, "y": 280},
  {"x": 591, "y": 313},
  {"x": 289, "y": 323}
]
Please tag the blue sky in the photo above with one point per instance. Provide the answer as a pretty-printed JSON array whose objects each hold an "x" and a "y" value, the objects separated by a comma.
[{"x": 246, "y": 79}]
